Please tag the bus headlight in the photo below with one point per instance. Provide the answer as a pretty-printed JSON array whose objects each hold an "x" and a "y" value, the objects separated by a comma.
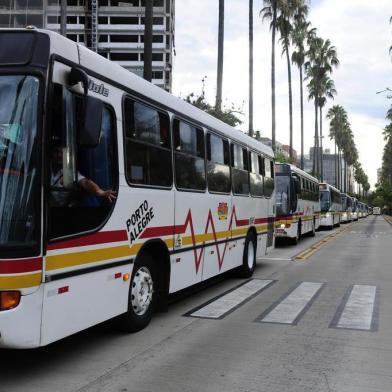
[
  {"x": 9, "y": 299},
  {"x": 328, "y": 215},
  {"x": 282, "y": 226}
]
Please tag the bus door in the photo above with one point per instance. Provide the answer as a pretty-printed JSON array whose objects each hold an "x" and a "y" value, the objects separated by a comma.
[
  {"x": 218, "y": 254},
  {"x": 192, "y": 205}
]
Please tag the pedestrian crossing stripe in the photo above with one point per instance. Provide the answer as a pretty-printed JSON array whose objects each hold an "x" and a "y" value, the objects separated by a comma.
[
  {"x": 293, "y": 305},
  {"x": 224, "y": 304},
  {"x": 358, "y": 310}
]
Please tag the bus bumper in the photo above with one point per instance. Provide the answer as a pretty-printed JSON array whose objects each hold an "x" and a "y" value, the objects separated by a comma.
[
  {"x": 326, "y": 220},
  {"x": 21, "y": 327}
]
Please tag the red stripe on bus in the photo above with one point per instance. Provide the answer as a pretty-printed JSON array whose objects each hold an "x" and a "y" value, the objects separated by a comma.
[
  {"x": 20, "y": 265},
  {"x": 102, "y": 237}
]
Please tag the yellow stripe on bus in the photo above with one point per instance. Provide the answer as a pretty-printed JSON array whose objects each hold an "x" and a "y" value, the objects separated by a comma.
[
  {"x": 91, "y": 256},
  {"x": 20, "y": 281}
]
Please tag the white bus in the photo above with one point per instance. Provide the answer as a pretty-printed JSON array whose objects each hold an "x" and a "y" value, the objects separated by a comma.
[
  {"x": 297, "y": 202},
  {"x": 376, "y": 211},
  {"x": 347, "y": 208},
  {"x": 355, "y": 211},
  {"x": 331, "y": 206},
  {"x": 194, "y": 197}
]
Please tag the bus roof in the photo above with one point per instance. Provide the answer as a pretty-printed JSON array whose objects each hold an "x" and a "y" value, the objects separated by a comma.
[
  {"x": 329, "y": 186},
  {"x": 297, "y": 170},
  {"x": 120, "y": 77}
]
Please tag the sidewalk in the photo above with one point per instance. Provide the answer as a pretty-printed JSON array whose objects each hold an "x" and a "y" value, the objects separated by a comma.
[{"x": 388, "y": 218}]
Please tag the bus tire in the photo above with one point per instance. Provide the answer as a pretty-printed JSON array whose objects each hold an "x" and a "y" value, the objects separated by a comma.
[
  {"x": 249, "y": 258},
  {"x": 142, "y": 295},
  {"x": 313, "y": 232}
]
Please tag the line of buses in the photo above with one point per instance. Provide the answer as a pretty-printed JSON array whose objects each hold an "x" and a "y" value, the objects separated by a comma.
[
  {"x": 194, "y": 197},
  {"x": 303, "y": 205}
]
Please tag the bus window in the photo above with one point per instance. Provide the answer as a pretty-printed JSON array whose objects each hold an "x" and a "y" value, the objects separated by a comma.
[
  {"x": 269, "y": 177},
  {"x": 76, "y": 210},
  {"x": 256, "y": 177},
  {"x": 218, "y": 169},
  {"x": 189, "y": 156},
  {"x": 240, "y": 174},
  {"x": 147, "y": 146}
]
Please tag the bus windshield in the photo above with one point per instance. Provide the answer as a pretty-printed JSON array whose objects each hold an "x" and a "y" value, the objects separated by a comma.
[
  {"x": 325, "y": 201},
  {"x": 282, "y": 195},
  {"x": 19, "y": 192}
]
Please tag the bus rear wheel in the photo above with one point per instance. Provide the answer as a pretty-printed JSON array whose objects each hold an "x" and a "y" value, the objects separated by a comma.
[
  {"x": 142, "y": 295},
  {"x": 249, "y": 258}
]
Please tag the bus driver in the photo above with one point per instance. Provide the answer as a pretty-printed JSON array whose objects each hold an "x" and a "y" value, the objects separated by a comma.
[{"x": 56, "y": 181}]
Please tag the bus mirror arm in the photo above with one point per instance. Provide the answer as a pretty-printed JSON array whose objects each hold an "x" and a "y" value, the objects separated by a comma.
[
  {"x": 79, "y": 76},
  {"x": 90, "y": 123}
]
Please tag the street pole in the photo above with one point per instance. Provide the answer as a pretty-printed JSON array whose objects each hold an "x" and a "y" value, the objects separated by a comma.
[
  {"x": 63, "y": 17},
  {"x": 148, "y": 22},
  {"x": 219, "y": 76}
]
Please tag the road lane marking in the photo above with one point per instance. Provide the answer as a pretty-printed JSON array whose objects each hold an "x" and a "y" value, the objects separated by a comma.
[
  {"x": 305, "y": 254},
  {"x": 358, "y": 310},
  {"x": 226, "y": 303},
  {"x": 293, "y": 305}
]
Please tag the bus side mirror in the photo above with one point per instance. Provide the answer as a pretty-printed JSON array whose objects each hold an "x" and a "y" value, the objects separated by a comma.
[{"x": 91, "y": 122}]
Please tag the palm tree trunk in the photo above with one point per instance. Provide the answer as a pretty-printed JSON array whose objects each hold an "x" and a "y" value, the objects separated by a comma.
[
  {"x": 273, "y": 108},
  {"x": 302, "y": 116},
  {"x": 336, "y": 168},
  {"x": 315, "y": 151},
  {"x": 339, "y": 171},
  {"x": 219, "y": 76},
  {"x": 290, "y": 101},
  {"x": 321, "y": 145},
  {"x": 148, "y": 20},
  {"x": 251, "y": 68},
  {"x": 345, "y": 176}
]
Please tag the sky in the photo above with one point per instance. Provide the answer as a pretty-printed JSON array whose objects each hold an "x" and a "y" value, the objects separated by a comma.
[{"x": 361, "y": 33}]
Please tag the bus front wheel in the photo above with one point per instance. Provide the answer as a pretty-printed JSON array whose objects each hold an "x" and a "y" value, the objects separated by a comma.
[
  {"x": 249, "y": 258},
  {"x": 142, "y": 295}
]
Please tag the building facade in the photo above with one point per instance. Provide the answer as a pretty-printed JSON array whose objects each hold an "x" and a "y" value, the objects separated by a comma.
[{"x": 113, "y": 28}]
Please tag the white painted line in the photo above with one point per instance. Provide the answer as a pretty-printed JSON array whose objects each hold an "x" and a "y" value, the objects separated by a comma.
[
  {"x": 293, "y": 306},
  {"x": 230, "y": 301},
  {"x": 358, "y": 311}
]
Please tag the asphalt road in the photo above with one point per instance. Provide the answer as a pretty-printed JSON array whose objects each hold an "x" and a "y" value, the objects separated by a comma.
[{"x": 318, "y": 324}]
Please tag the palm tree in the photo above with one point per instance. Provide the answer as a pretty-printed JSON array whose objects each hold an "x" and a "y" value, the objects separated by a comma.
[
  {"x": 288, "y": 11},
  {"x": 300, "y": 34},
  {"x": 327, "y": 90},
  {"x": 338, "y": 122},
  {"x": 322, "y": 58},
  {"x": 221, "y": 30},
  {"x": 251, "y": 68},
  {"x": 269, "y": 12}
]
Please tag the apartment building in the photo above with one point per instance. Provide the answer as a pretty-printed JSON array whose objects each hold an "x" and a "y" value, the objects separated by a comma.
[{"x": 113, "y": 28}]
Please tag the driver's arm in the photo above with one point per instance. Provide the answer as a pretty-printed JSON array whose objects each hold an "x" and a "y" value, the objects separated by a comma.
[{"x": 92, "y": 188}]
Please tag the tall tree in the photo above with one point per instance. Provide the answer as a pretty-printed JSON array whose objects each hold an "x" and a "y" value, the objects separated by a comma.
[
  {"x": 300, "y": 34},
  {"x": 148, "y": 22},
  {"x": 327, "y": 90},
  {"x": 251, "y": 131},
  {"x": 322, "y": 57},
  {"x": 269, "y": 12},
  {"x": 219, "y": 76}
]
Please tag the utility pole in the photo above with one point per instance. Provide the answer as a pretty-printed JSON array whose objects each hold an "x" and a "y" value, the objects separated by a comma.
[
  {"x": 63, "y": 17},
  {"x": 219, "y": 76},
  {"x": 148, "y": 22}
]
